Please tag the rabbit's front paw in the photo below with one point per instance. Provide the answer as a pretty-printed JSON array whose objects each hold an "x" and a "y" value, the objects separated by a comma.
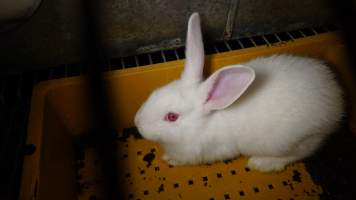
[
  {"x": 268, "y": 164},
  {"x": 171, "y": 161}
]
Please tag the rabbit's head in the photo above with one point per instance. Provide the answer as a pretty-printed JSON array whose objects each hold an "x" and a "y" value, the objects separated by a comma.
[{"x": 182, "y": 109}]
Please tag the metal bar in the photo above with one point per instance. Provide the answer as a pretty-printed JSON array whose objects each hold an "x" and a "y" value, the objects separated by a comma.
[
  {"x": 278, "y": 38},
  {"x": 265, "y": 39},
  {"x": 122, "y": 63},
  {"x": 301, "y": 32},
  {"x": 99, "y": 105},
  {"x": 136, "y": 61},
  {"x": 216, "y": 49},
  {"x": 150, "y": 58},
  {"x": 240, "y": 43},
  {"x": 163, "y": 56},
  {"x": 227, "y": 45},
  {"x": 253, "y": 41},
  {"x": 313, "y": 30},
  {"x": 176, "y": 54},
  {"x": 290, "y": 35}
]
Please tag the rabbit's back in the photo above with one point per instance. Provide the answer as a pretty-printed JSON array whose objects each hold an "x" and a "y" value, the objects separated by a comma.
[{"x": 291, "y": 98}]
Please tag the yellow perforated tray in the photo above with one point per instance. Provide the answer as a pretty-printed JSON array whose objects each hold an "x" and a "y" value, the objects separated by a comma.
[
  {"x": 223, "y": 180},
  {"x": 58, "y": 115}
]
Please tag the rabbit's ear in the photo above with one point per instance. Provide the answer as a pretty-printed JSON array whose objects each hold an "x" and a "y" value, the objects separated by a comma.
[
  {"x": 226, "y": 85},
  {"x": 194, "y": 63}
]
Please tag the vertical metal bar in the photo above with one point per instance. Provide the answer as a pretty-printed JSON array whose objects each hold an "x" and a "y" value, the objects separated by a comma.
[
  {"x": 240, "y": 43},
  {"x": 278, "y": 38},
  {"x": 163, "y": 56},
  {"x": 136, "y": 61},
  {"x": 122, "y": 63},
  {"x": 253, "y": 41},
  {"x": 150, "y": 58},
  {"x": 176, "y": 54},
  {"x": 290, "y": 35},
  {"x": 265, "y": 39},
  {"x": 216, "y": 49},
  {"x": 227, "y": 45},
  {"x": 313, "y": 30},
  {"x": 99, "y": 105},
  {"x": 301, "y": 32}
]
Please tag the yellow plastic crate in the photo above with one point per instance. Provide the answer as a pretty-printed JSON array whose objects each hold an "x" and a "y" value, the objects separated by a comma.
[{"x": 58, "y": 115}]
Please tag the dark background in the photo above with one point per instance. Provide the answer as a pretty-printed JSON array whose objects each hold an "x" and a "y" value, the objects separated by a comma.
[{"x": 52, "y": 36}]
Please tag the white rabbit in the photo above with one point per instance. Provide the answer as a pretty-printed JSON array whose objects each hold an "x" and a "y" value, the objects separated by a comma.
[{"x": 276, "y": 110}]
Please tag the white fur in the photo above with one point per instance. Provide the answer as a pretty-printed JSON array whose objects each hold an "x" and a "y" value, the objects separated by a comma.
[{"x": 293, "y": 104}]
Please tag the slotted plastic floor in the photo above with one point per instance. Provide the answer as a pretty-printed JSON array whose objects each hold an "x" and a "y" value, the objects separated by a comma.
[
  {"x": 58, "y": 116},
  {"x": 145, "y": 176}
]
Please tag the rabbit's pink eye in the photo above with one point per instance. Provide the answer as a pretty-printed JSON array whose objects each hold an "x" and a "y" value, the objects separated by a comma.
[{"x": 171, "y": 117}]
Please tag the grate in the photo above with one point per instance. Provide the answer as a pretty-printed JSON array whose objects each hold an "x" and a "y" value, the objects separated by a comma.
[
  {"x": 169, "y": 55},
  {"x": 284, "y": 36},
  {"x": 332, "y": 27},
  {"x": 106, "y": 66},
  {"x": 296, "y": 34},
  {"x": 246, "y": 42},
  {"x": 58, "y": 72},
  {"x": 210, "y": 49},
  {"x": 272, "y": 38},
  {"x": 234, "y": 44},
  {"x": 143, "y": 59},
  {"x": 259, "y": 40},
  {"x": 181, "y": 53},
  {"x": 130, "y": 61},
  {"x": 77, "y": 69},
  {"x": 43, "y": 75},
  {"x": 221, "y": 47},
  {"x": 320, "y": 30},
  {"x": 156, "y": 57},
  {"x": 116, "y": 63},
  {"x": 148, "y": 177},
  {"x": 307, "y": 32}
]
